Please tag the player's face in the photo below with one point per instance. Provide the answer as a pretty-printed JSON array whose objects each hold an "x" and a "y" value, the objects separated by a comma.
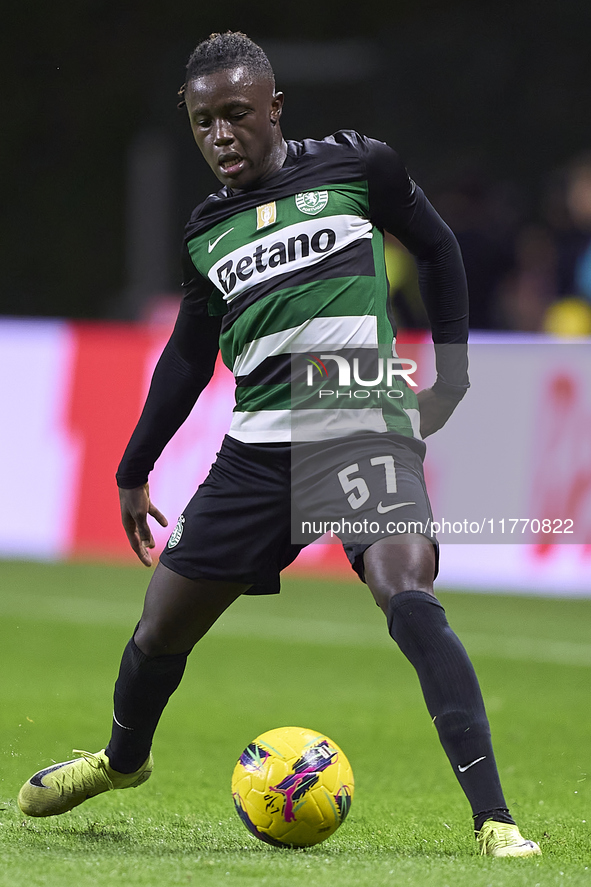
[{"x": 234, "y": 117}]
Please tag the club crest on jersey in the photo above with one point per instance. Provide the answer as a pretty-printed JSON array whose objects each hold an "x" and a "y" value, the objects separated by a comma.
[
  {"x": 266, "y": 215},
  {"x": 311, "y": 202},
  {"x": 175, "y": 537}
]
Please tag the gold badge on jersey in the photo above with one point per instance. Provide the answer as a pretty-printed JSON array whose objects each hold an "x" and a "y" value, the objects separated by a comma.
[{"x": 266, "y": 215}]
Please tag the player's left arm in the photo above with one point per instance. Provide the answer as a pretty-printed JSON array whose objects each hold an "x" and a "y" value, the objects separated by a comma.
[{"x": 399, "y": 206}]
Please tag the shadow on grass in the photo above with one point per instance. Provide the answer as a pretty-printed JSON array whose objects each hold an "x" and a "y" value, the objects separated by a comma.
[{"x": 138, "y": 838}]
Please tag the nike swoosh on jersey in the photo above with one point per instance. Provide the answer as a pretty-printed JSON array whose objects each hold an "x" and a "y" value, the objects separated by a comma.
[
  {"x": 213, "y": 245},
  {"x": 467, "y": 767},
  {"x": 383, "y": 509}
]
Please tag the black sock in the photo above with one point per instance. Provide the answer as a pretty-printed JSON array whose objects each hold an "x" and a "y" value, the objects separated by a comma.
[
  {"x": 499, "y": 814},
  {"x": 142, "y": 690},
  {"x": 417, "y": 623}
]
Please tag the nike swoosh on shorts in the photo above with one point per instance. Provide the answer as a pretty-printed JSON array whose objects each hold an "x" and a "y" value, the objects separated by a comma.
[{"x": 383, "y": 509}]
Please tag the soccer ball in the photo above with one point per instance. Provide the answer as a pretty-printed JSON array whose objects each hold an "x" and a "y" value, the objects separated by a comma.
[{"x": 292, "y": 787}]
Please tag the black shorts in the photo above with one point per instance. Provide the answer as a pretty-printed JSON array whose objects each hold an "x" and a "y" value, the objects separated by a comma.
[{"x": 244, "y": 523}]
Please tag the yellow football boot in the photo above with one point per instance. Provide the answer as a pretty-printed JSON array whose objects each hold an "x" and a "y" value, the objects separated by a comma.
[
  {"x": 61, "y": 787},
  {"x": 504, "y": 839}
]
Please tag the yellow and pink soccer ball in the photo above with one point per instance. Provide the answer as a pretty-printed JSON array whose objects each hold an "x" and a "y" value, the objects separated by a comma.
[{"x": 292, "y": 787}]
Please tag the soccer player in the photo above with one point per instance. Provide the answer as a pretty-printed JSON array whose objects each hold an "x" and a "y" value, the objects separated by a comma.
[{"x": 286, "y": 259}]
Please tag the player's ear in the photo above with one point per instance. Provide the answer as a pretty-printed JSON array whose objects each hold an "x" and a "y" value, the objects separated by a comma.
[{"x": 276, "y": 107}]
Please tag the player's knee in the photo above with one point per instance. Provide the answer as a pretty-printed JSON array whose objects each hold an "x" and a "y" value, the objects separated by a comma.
[
  {"x": 397, "y": 565},
  {"x": 385, "y": 595},
  {"x": 155, "y": 641}
]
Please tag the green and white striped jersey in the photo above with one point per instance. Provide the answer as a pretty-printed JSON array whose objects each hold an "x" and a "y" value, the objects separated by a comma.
[{"x": 296, "y": 267}]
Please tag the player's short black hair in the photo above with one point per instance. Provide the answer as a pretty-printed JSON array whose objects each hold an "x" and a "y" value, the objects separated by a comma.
[{"x": 232, "y": 49}]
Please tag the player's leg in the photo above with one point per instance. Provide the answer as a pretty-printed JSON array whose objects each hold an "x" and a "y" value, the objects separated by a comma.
[
  {"x": 177, "y": 613},
  {"x": 235, "y": 531},
  {"x": 399, "y": 572}
]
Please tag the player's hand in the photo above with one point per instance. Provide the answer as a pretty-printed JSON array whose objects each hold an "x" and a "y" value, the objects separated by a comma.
[
  {"x": 135, "y": 508},
  {"x": 436, "y": 408}
]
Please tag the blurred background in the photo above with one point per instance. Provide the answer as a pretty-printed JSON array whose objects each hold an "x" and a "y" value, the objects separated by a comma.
[
  {"x": 486, "y": 102},
  {"x": 488, "y": 105}
]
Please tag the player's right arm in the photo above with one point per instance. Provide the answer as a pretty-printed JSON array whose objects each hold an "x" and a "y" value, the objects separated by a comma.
[{"x": 184, "y": 369}]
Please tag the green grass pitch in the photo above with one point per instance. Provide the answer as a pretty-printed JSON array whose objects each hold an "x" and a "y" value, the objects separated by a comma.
[{"x": 317, "y": 656}]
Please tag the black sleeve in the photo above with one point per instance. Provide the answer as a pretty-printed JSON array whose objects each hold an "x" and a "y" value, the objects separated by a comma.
[
  {"x": 184, "y": 369},
  {"x": 399, "y": 206}
]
